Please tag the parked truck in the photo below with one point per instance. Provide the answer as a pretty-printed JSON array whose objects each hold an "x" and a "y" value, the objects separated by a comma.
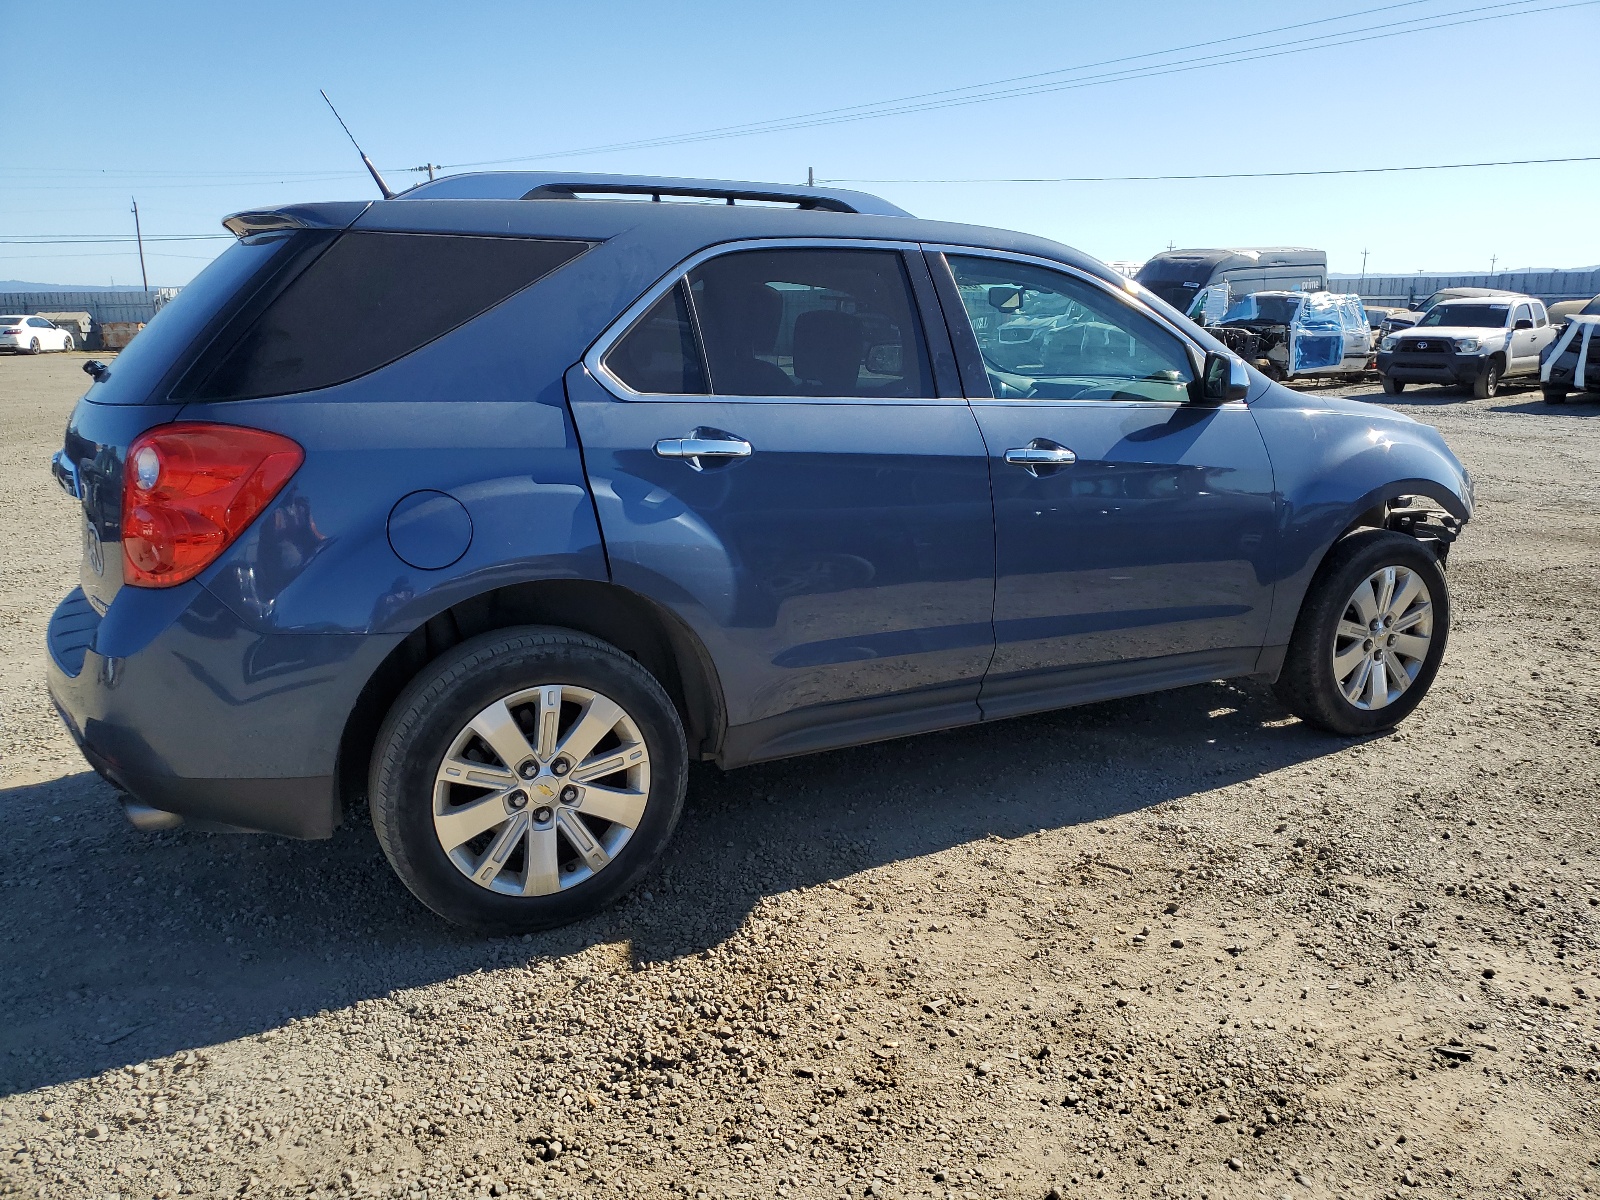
[{"x": 1177, "y": 276}]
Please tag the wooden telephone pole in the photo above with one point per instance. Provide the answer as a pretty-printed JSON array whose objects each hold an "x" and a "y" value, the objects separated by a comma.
[{"x": 138, "y": 235}]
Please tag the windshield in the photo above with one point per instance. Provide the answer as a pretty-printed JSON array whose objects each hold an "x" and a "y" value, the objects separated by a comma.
[
  {"x": 1278, "y": 310},
  {"x": 1470, "y": 316},
  {"x": 1176, "y": 281}
]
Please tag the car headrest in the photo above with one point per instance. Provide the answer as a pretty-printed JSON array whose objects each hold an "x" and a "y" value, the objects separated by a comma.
[{"x": 828, "y": 347}]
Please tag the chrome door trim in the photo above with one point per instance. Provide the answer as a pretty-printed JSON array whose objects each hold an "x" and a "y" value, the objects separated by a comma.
[
  {"x": 594, "y": 358},
  {"x": 1197, "y": 353}
]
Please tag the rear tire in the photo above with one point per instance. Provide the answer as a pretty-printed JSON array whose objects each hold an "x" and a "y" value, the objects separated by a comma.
[
  {"x": 33, "y": 346},
  {"x": 1487, "y": 385},
  {"x": 1554, "y": 395},
  {"x": 569, "y": 799},
  {"x": 1356, "y": 685},
  {"x": 1392, "y": 387}
]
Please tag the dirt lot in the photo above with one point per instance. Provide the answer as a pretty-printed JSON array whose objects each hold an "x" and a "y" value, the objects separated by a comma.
[{"x": 1177, "y": 945}]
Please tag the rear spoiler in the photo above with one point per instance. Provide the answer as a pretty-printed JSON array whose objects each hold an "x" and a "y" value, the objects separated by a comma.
[{"x": 339, "y": 214}]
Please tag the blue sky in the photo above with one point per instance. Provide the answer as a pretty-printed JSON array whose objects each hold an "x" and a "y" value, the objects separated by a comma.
[{"x": 204, "y": 109}]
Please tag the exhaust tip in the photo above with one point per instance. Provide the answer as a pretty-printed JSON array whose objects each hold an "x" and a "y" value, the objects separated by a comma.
[{"x": 149, "y": 820}]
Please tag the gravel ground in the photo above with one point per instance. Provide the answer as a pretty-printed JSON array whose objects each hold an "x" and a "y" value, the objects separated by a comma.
[{"x": 1176, "y": 945}]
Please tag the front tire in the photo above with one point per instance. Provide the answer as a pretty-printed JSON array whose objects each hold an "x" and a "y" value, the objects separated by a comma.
[
  {"x": 1487, "y": 385},
  {"x": 1392, "y": 387},
  {"x": 66, "y": 344},
  {"x": 1554, "y": 395},
  {"x": 526, "y": 779},
  {"x": 1370, "y": 635}
]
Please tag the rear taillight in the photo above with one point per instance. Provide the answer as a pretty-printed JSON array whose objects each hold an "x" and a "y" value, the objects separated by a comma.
[{"x": 190, "y": 489}]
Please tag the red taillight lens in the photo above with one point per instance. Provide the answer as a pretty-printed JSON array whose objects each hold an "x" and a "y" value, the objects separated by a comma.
[{"x": 189, "y": 489}]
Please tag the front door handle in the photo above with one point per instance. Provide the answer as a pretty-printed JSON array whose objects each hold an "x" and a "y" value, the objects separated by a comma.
[
  {"x": 703, "y": 444},
  {"x": 1041, "y": 456}
]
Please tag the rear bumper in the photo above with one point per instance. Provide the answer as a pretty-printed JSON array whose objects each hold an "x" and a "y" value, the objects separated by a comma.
[{"x": 198, "y": 715}]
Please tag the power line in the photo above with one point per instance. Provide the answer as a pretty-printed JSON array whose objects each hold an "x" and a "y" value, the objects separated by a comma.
[
  {"x": 736, "y": 130},
  {"x": 1508, "y": 162},
  {"x": 925, "y": 102}
]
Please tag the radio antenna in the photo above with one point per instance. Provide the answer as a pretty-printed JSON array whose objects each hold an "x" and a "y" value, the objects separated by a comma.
[{"x": 376, "y": 178}]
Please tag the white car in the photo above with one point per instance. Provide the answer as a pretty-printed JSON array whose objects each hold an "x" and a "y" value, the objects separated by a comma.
[{"x": 31, "y": 335}]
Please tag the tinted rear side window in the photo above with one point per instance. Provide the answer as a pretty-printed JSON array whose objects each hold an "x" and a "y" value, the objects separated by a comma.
[
  {"x": 660, "y": 355},
  {"x": 369, "y": 299},
  {"x": 822, "y": 322}
]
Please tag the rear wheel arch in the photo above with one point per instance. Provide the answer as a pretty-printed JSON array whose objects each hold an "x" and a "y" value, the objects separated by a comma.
[{"x": 658, "y": 640}]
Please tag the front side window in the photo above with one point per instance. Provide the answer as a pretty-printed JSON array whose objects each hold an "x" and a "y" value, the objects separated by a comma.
[
  {"x": 1048, "y": 335},
  {"x": 810, "y": 322}
]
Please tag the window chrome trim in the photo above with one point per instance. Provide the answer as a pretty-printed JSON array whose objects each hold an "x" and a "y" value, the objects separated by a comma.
[
  {"x": 594, "y": 360},
  {"x": 1123, "y": 295}
]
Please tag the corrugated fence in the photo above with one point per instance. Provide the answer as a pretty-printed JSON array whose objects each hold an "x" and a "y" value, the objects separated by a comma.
[
  {"x": 122, "y": 305},
  {"x": 1400, "y": 290}
]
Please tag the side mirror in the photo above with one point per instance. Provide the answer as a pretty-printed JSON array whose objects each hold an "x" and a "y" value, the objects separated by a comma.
[
  {"x": 1006, "y": 299},
  {"x": 96, "y": 369},
  {"x": 1225, "y": 378},
  {"x": 1523, "y": 324},
  {"x": 885, "y": 359}
]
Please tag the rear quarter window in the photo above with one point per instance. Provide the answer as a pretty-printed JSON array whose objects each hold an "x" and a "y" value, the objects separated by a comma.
[{"x": 369, "y": 299}]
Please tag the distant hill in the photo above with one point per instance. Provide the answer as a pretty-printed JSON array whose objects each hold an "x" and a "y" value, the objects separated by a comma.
[{"x": 18, "y": 285}]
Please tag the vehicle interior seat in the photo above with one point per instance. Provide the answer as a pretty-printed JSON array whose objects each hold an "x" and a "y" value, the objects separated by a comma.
[
  {"x": 741, "y": 331},
  {"x": 828, "y": 348}
]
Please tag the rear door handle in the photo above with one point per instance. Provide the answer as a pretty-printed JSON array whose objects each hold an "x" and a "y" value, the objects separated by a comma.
[
  {"x": 703, "y": 444},
  {"x": 1041, "y": 456}
]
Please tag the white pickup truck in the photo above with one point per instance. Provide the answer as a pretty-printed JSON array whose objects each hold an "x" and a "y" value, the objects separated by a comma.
[{"x": 1476, "y": 342}]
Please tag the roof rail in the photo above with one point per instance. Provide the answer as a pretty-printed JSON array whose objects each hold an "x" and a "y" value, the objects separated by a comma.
[{"x": 551, "y": 185}]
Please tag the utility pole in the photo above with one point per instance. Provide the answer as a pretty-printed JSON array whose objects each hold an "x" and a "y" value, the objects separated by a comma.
[
  {"x": 1493, "y": 259},
  {"x": 1364, "y": 254},
  {"x": 430, "y": 168},
  {"x": 1171, "y": 245},
  {"x": 811, "y": 177},
  {"x": 138, "y": 236}
]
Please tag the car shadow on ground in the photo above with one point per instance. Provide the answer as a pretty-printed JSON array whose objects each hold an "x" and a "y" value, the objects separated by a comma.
[
  {"x": 1578, "y": 405},
  {"x": 117, "y": 946}
]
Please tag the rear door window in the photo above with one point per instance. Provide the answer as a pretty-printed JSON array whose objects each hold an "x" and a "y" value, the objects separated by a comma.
[
  {"x": 660, "y": 354},
  {"x": 368, "y": 300},
  {"x": 811, "y": 322}
]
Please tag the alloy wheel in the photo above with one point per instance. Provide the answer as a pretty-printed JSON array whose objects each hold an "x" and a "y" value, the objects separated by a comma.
[
  {"x": 1383, "y": 637},
  {"x": 541, "y": 790}
]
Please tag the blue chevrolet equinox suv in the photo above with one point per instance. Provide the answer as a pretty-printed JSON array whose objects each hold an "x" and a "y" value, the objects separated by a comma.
[{"x": 494, "y": 504}]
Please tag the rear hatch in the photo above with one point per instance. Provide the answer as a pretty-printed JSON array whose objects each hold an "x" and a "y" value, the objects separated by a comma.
[{"x": 134, "y": 394}]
